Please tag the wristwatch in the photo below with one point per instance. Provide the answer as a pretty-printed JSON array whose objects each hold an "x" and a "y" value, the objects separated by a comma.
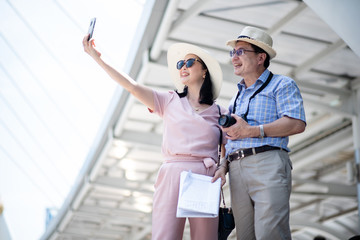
[{"x": 262, "y": 133}]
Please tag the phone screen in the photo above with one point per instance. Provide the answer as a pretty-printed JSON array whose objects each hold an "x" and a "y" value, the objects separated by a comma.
[{"x": 91, "y": 28}]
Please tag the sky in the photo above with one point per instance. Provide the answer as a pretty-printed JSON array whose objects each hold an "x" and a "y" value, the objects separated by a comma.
[{"x": 53, "y": 98}]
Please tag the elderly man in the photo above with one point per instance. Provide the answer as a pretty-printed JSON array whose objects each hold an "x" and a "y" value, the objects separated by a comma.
[{"x": 266, "y": 110}]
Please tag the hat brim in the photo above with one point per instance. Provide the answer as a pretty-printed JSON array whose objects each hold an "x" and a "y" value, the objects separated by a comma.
[
  {"x": 178, "y": 51},
  {"x": 264, "y": 46}
]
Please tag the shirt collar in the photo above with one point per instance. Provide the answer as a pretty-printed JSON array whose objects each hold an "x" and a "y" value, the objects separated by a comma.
[
  {"x": 262, "y": 78},
  {"x": 264, "y": 75}
]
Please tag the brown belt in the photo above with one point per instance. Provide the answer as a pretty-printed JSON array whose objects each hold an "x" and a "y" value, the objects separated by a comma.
[{"x": 241, "y": 153}]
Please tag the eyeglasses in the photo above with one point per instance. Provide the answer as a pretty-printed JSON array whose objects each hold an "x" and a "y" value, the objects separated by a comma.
[
  {"x": 188, "y": 63},
  {"x": 239, "y": 52}
]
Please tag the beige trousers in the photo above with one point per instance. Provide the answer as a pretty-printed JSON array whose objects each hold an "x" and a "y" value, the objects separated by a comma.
[{"x": 260, "y": 187}]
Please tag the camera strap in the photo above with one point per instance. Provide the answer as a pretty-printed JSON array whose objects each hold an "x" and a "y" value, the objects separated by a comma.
[
  {"x": 244, "y": 116},
  {"x": 220, "y": 138}
]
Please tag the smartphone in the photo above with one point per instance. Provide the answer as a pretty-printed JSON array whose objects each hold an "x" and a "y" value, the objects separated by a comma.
[{"x": 91, "y": 28}]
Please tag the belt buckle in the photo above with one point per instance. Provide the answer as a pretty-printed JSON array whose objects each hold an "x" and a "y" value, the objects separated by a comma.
[{"x": 242, "y": 155}]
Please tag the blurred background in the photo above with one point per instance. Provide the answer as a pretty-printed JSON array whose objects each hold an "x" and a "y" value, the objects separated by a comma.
[
  {"x": 53, "y": 99},
  {"x": 79, "y": 156}
]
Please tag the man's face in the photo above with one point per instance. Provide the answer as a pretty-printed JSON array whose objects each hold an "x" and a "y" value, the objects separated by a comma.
[{"x": 247, "y": 63}]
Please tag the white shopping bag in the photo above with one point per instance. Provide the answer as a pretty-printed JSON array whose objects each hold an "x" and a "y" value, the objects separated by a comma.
[{"x": 198, "y": 196}]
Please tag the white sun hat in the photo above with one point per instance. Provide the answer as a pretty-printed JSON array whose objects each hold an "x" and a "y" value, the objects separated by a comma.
[
  {"x": 178, "y": 51},
  {"x": 257, "y": 37}
]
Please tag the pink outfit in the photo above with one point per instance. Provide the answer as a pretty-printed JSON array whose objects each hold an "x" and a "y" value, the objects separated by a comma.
[{"x": 190, "y": 142}]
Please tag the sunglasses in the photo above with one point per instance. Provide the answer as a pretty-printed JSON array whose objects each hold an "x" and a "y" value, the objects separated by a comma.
[
  {"x": 239, "y": 52},
  {"x": 188, "y": 63}
]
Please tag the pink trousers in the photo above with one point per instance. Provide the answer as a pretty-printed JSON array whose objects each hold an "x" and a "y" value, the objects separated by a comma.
[{"x": 165, "y": 224}]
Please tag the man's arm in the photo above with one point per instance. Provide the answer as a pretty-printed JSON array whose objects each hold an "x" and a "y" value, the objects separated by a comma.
[{"x": 282, "y": 127}]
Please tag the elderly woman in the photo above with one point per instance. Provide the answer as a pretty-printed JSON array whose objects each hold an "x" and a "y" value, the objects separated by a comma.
[{"x": 191, "y": 132}]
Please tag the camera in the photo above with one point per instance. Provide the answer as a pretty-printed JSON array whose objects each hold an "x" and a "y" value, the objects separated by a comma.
[{"x": 226, "y": 120}]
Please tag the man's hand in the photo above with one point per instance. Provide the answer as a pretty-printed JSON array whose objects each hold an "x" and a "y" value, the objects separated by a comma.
[{"x": 241, "y": 129}]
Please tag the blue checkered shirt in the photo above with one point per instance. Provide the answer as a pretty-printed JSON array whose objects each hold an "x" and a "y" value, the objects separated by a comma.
[{"x": 281, "y": 97}]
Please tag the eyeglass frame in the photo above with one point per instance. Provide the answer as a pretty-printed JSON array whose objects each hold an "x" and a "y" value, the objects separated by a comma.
[
  {"x": 189, "y": 63},
  {"x": 239, "y": 52}
]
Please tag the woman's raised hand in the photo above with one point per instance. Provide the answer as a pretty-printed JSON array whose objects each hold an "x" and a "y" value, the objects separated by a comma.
[{"x": 89, "y": 47}]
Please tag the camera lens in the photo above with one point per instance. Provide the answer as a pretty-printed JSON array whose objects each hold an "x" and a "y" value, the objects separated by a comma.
[
  {"x": 223, "y": 120},
  {"x": 226, "y": 120}
]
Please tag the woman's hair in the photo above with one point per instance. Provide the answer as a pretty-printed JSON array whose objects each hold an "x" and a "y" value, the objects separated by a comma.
[
  {"x": 206, "y": 90},
  {"x": 183, "y": 93},
  {"x": 260, "y": 50}
]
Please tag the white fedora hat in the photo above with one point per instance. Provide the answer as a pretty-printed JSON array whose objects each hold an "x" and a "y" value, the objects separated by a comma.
[
  {"x": 257, "y": 37},
  {"x": 178, "y": 51}
]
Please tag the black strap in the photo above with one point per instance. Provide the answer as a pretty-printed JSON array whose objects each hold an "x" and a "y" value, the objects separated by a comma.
[
  {"x": 244, "y": 116},
  {"x": 220, "y": 142},
  {"x": 220, "y": 138}
]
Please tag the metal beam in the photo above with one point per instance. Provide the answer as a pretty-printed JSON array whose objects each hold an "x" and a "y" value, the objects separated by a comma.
[
  {"x": 341, "y": 92},
  {"x": 164, "y": 29},
  {"x": 339, "y": 141},
  {"x": 309, "y": 63},
  {"x": 142, "y": 138},
  {"x": 129, "y": 100},
  {"x": 192, "y": 11},
  {"x": 135, "y": 213},
  {"x": 339, "y": 214},
  {"x": 301, "y": 206},
  {"x": 333, "y": 189},
  {"x": 119, "y": 183},
  {"x": 288, "y": 18},
  {"x": 327, "y": 232},
  {"x": 140, "y": 235},
  {"x": 335, "y": 110},
  {"x": 118, "y": 220},
  {"x": 74, "y": 234}
]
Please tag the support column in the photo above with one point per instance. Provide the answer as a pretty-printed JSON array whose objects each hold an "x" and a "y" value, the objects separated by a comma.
[
  {"x": 4, "y": 231},
  {"x": 356, "y": 136},
  {"x": 342, "y": 16}
]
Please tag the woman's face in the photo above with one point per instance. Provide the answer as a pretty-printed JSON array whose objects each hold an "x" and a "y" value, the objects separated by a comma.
[{"x": 195, "y": 74}]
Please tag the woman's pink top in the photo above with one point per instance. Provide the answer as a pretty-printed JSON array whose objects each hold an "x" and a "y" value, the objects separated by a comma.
[{"x": 188, "y": 135}]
